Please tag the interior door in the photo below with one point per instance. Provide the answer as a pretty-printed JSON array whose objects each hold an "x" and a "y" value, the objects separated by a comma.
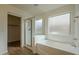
[{"x": 28, "y": 33}]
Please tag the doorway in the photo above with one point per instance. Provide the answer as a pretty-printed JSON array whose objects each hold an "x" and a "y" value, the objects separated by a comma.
[
  {"x": 28, "y": 33},
  {"x": 14, "y": 31}
]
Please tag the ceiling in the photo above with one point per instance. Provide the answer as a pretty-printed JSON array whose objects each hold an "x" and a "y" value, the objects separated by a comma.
[{"x": 35, "y": 9}]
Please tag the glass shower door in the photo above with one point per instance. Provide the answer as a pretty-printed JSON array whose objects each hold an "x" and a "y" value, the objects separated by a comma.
[{"x": 28, "y": 33}]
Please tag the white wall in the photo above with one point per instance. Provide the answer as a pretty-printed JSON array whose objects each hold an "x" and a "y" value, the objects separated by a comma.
[{"x": 4, "y": 9}]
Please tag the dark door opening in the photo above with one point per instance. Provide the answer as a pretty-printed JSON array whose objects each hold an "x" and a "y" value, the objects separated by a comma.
[{"x": 14, "y": 31}]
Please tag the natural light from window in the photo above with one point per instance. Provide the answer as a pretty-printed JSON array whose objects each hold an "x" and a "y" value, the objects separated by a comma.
[
  {"x": 59, "y": 24},
  {"x": 38, "y": 26}
]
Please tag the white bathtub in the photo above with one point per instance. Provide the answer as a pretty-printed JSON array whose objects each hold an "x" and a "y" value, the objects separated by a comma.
[{"x": 58, "y": 45}]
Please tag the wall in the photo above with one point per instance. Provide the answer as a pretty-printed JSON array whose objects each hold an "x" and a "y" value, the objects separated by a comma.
[
  {"x": 76, "y": 21},
  {"x": 4, "y": 10}
]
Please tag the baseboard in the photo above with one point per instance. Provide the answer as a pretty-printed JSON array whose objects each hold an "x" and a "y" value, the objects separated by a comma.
[{"x": 4, "y": 53}]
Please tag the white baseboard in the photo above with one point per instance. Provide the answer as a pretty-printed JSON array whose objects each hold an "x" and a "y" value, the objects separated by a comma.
[{"x": 4, "y": 52}]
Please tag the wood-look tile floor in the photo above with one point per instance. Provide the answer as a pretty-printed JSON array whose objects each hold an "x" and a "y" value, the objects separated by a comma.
[
  {"x": 19, "y": 51},
  {"x": 15, "y": 49}
]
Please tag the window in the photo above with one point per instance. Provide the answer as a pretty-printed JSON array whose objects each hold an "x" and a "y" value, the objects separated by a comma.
[
  {"x": 38, "y": 26},
  {"x": 59, "y": 24}
]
